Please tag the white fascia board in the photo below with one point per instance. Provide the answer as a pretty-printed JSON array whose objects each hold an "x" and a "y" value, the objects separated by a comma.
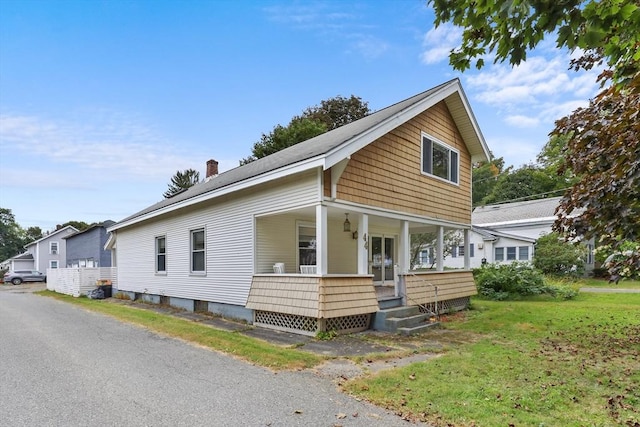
[
  {"x": 474, "y": 124},
  {"x": 51, "y": 235},
  {"x": 362, "y": 140},
  {"x": 388, "y": 213},
  {"x": 232, "y": 188},
  {"x": 519, "y": 222}
]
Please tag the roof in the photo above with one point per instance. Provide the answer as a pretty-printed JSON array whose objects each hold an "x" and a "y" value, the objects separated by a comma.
[
  {"x": 491, "y": 234},
  {"x": 103, "y": 224},
  {"x": 528, "y": 211},
  {"x": 329, "y": 148},
  {"x": 51, "y": 234}
]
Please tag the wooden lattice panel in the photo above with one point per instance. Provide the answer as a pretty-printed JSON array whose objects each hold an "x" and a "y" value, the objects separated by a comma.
[{"x": 349, "y": 324}]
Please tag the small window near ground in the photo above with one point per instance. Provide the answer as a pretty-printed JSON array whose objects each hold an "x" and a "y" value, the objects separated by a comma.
[
  {"x": 439, "y": 160},
  {"x": 197, "y": 251},
  {"x": 161, "y": 254}
]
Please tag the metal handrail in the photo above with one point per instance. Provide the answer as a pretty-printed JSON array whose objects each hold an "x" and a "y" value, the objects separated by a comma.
[{"x": 435, "y": 293}]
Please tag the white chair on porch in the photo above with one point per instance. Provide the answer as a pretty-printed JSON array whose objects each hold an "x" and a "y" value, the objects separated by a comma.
[
  {"x": 308, "y": 269},
  {"x": 278, "y": 268}
]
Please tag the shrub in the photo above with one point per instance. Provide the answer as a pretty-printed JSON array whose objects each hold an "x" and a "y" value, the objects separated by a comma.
[
  {"x": 555, "y": 256},
  {"x": 510, "y": 281},
  {"x": 504, "y": 281}
]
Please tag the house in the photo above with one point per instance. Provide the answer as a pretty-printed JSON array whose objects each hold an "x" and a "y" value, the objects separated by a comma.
[
  {"x": 316, "y": 237},
  {"x": 507, "y": 232},
  {"x": 85, "y": 249},
  {"x": 22, "y": 261},
  {"x": 47, "y": 252}
]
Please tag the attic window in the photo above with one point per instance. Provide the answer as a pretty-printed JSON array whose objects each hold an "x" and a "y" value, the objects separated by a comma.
[{"x": 439, "y": 160}]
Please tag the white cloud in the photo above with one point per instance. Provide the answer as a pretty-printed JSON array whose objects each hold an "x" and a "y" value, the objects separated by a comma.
[
  {"x": 101, "y": 141},
  {"x": 521, "y": 121},
  {"x": 439, "y": 42}
]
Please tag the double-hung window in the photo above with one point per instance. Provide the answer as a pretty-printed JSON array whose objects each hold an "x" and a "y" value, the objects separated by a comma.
[
  {"x": 53, "y": 248},
  {"x": 439, "y": 160},
  {"x": 197, "y": 251},
  {"x": 161, "y": 254},
  {"x": 523, "y": 253},
  {"x": 306, "y": 244}
]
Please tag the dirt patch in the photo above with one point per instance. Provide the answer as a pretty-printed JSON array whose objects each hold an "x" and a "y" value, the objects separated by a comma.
[{"x": 340, "y": 370}]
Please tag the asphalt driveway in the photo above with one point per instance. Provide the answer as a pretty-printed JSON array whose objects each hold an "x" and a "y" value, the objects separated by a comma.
[{"x": 61, "y": 365}]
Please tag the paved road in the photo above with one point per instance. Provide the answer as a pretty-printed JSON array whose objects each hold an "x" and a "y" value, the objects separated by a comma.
[
  {"x": 63, "y": 366},
  {"x": 610, "y": 290}
]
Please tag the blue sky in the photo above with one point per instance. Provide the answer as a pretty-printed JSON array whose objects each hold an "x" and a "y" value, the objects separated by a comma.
[{"x": 102, "y": 101}]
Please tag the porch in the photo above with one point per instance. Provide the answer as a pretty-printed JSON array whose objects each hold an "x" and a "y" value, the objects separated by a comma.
[{"x": 309, "y": 304}]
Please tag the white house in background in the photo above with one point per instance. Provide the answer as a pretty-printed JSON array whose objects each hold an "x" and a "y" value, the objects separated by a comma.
[
  {"x": 310, "y": 238},
  {"x": 49, "y": 251},
  {"x": 507, "y": 232}
]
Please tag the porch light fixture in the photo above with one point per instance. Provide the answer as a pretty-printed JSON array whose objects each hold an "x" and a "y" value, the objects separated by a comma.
[
  {"x": 355, "y": 235},
  {"x": 347, "y": 224}
]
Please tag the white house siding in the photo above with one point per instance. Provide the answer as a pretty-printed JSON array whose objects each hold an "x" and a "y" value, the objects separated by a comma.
[
  {"x": 229, "y": 238},
  {"x": 277, "y": 242}
]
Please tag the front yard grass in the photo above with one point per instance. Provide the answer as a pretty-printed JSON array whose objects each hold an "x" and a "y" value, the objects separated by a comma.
[
  {"x": 540, "y": 362},
  {"x": 250, "y": 349}
]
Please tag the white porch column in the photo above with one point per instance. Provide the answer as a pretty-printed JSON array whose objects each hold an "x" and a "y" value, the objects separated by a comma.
[
  {"x": 467, "y": 258},
  {"x": 440, "y": 249},
  {"x": 321, "y": 239},
  {"x": 404, "y": 248},
  {"x": 363, "y": 244}
]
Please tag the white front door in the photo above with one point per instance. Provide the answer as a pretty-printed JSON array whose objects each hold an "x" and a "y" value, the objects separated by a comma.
[{"x": 383, "y": 259}]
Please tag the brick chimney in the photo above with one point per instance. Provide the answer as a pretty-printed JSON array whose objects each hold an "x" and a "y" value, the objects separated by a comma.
[{"x": 212, "y": 168}]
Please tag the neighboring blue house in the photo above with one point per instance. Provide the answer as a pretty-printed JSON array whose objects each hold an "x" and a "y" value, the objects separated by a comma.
[{"x": 86, "y": 248}]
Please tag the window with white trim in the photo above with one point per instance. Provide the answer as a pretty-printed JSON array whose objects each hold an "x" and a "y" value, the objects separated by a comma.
[
  {"x": 523, "y": 253},
  {"x": 53, "y": 248},
  {"x": 498, "y": 254},
  {"x": 53, "y": 264},
  {"x": 197, "y": 251},
  {"x": 161, "y": 254},
  {"x": 511, "y": 253},
  {"x": 439, "y": 160},
  {"x": 306, "y": 244}
]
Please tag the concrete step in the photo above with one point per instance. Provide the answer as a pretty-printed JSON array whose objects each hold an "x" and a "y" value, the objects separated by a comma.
[
  {"x": 395, "y": 323},
  {"x": 418, "y": 329},
  {"x": 389, "y": 302}
]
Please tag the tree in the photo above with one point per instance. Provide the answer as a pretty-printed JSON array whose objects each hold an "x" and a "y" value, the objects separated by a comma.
[
  {"x": 330, "y": 114},
  {"x": 604, "y": 152},
  {"x": 11, "y": 235},
  {"x": 32, "y": 234},
  {"x": 526, "y": 183},
  {"x": 602, "y": 146},
  {"x": 78, "y": 225},
  {"x": 281, "y": 137},
  {"x": 182, "y": 181},
  {"x": 426, "y": 241},
  {"x": 337, "y": 111},
  {"x": 555, "y": 256},
  {"x": 605, "y": 29},
  {"x": 485, "y": 177}
]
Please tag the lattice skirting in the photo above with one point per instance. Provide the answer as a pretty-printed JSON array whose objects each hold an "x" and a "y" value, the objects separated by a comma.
[
  {"x": 448, "y": 306},
  {"x": 310, "y": 325}
]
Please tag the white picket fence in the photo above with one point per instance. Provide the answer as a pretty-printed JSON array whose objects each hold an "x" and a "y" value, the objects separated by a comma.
[{"x": 78, "y": 281}]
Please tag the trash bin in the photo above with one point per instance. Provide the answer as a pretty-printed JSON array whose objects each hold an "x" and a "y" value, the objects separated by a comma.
[
  {"x": 106, "y": 289},
  {"x": 105, "y": 286}
]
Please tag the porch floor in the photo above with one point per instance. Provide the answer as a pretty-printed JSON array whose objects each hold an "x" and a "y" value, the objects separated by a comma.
[{"x": 385, "y": 292}]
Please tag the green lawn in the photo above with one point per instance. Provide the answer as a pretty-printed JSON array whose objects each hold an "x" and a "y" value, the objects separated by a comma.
[
  {"x": 250, "y": 349},
  {"x": 525, "y": 363},
  {"x": 599, "y": 283}
]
